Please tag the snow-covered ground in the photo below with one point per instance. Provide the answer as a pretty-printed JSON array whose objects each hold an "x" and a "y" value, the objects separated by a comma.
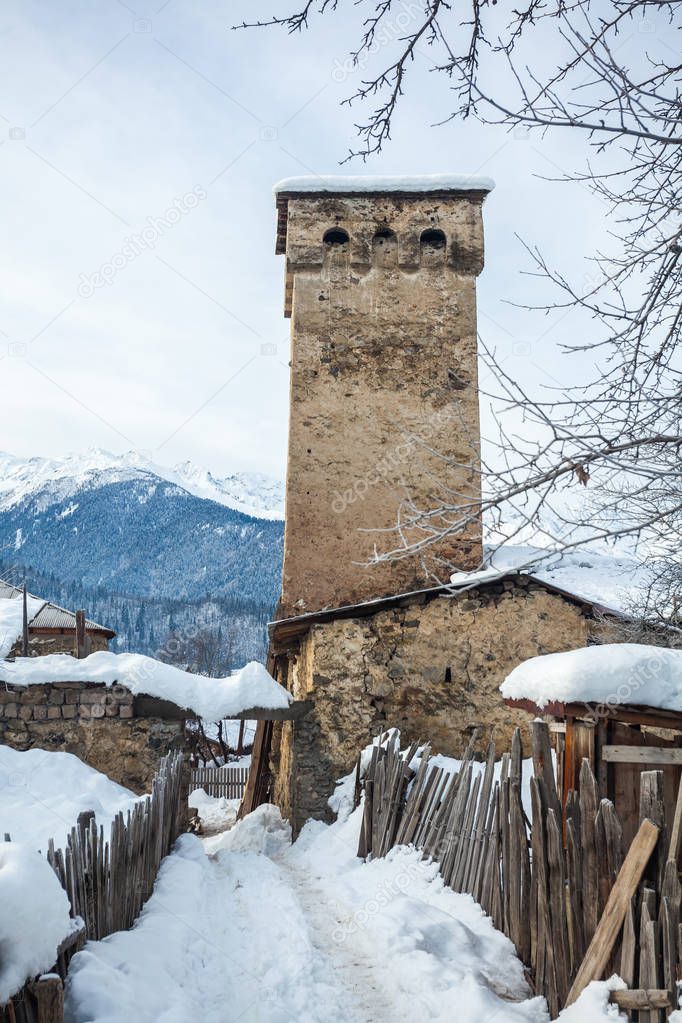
[
  {"x": 42, "y": 793},
  {"x": 216, "y": 812},
  {"x": 262, "y": 931},
  {"x": 244, "y": 925}
]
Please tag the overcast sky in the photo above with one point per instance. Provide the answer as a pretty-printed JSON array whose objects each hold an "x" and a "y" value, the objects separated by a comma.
[{"x": 112, "y": 115}]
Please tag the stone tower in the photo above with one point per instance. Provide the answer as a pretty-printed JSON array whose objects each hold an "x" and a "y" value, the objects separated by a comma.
[{"x": 381, "y": 291}]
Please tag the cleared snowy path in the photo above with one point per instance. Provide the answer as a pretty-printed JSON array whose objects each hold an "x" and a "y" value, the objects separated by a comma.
[
  {"x": 351, "y": 963},
  {"x": 264, "y": 932}
]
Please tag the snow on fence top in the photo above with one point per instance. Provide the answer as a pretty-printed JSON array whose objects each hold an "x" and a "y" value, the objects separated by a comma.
[
  {"x": 211, "y": 698},
  {"x": 35, "y": 916},
  {"x": 344, "y": 183},
  {"x": 616, "y": 673}
]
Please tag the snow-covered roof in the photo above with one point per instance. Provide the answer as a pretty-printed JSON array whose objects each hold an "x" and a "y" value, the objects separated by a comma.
[
  {"x": 608, "y": 580},
  {"x": 12, "y": 620},
  {"x": 45, "y": 614},
  {"x": 210, "y": 698},
  {"x": 614, "y": 674},
  {"x": 354, "y": 183}
]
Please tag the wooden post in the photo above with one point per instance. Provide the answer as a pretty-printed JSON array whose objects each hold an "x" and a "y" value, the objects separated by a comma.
[
  {"x": 80, "y": 635},
  {"x": 49, "y": 997},
  {"x": 604, "y": 939},
  {"x": 24, "y": 629},
  {"x": 651, "y": 806}
]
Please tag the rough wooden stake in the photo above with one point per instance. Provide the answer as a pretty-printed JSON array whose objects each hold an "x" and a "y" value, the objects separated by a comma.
[{"x": 609, "y": 926}]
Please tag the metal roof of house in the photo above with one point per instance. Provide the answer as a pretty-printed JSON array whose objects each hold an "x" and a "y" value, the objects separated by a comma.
[{"x": 50, "y": 615}]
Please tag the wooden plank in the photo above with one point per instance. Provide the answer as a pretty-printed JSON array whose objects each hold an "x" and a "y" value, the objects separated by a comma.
[
  {"x": 648, "y": 961},
  {"x": 668, "y": 925},
  {"x": 642, "y": 998},
  {"x": 628, "y": 948},
  {"x": 48, "y": 993},
  {"x": 651, "y": 807},
  {"x": 542, "y": 763},
  {"x": 546, "y": 972},
  {"x": 641, "y": 755},
  {"x": 575, "y": 891},
  {"x": 583, "y": 746},
  {"x": 676, "y": 829},
  {"x": 588, "y": 843},
  {"x": 557, "y": 902},
  {"x": 471, "y": 879},
  {"x": 605, "y": 936},
  {"x": 602, "y": 766}
]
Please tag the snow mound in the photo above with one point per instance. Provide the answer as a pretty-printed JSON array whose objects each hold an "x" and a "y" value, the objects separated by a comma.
[
  {"x": 35, "y": 916},
  {"x": 376, "y": 183},
  {"x": 262, "y": 831},
  {"x": 211, "y": 698},
  {"x": 42, "y": 793},
  {"x": 616, "y": 673},
  {"x": 12, "y": 620}
]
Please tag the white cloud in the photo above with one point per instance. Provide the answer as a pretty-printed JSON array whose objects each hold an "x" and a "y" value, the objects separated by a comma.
[{"x": 155, "y": 114}]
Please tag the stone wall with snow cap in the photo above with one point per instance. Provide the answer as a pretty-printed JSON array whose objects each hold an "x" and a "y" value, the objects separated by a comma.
[{"x": 102, "y": 725}]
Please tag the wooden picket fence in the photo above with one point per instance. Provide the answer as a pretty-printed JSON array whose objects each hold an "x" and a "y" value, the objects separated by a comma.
[
  {"x": 544, "y": 882},
  {"x": 107, "y": 880},
  {"x": 225, "y": 782}
]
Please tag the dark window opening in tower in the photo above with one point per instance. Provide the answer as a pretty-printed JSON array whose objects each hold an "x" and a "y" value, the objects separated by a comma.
[
  {"x": 336, "y": 236},
  {"x": 432, "y": 239}
]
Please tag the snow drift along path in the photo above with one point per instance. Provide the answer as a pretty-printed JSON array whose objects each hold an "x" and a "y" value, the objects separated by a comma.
[{"x": 262, "y": 931}]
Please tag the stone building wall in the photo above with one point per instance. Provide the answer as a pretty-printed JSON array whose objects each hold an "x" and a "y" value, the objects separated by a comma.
[
  {"x": 384, "y": 393},
  {"x": 101, "y": 725},
  {"x": 431, "y": 667},
  {"x": 43, "y": 643}
]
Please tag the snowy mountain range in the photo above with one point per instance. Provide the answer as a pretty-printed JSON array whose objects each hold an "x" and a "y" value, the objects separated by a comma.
[
  {"x": 143, "y": 548},
  {"x": 56, "y": 479}
]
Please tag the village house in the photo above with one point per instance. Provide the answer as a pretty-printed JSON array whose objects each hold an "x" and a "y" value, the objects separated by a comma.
[
  {"x": 51, "y": 629},
  {"x": 381, "y": 291}
]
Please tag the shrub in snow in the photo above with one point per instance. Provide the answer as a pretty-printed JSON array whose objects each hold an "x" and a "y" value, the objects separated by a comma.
[{"x": 34, "y": 919}]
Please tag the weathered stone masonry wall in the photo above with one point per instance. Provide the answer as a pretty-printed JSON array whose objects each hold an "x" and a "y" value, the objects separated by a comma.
[
  {"x": 432, "y": 668},
  {"x": 98, "y": 724},
  {"x": 43, "y": 643},
  {"x": 384, "y": 396}
]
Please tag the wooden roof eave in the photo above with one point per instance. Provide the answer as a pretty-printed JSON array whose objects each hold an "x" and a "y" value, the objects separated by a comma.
[{"x": 632, "y": 714}]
